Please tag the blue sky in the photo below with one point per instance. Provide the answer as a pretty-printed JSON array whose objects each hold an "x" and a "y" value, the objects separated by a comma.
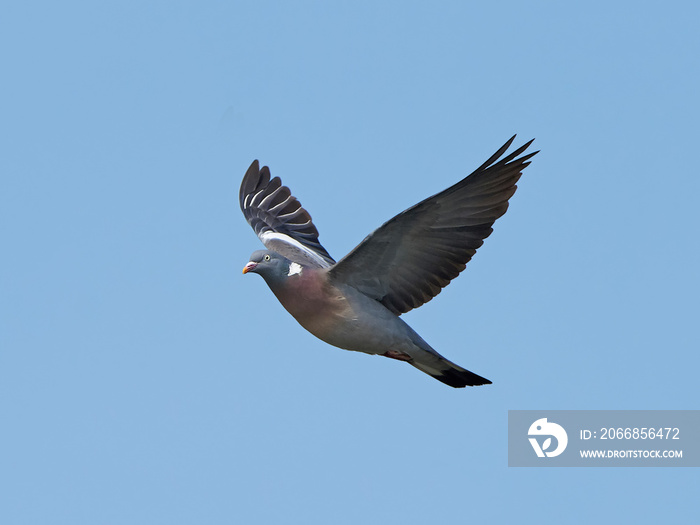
[{"x": 143, "y": 379}]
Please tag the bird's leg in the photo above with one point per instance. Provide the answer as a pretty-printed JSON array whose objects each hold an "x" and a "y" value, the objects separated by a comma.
[{"x": 395, "y": 354}]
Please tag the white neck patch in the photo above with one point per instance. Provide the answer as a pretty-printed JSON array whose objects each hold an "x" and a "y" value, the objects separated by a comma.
[{"x": 294, "y": 268}]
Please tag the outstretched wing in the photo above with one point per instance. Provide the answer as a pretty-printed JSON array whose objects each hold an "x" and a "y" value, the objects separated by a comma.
[
  {"x": 411, "y": 258},
  {"x": 279, "y": 220}
]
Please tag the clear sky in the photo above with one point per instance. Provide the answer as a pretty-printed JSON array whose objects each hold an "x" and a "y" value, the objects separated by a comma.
[{"x": 144, "y": 380}]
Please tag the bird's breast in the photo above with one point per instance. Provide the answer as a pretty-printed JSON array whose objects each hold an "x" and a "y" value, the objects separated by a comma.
[
  {"x": 342, "y": 317},
  {"x": 315, "y": 303}
]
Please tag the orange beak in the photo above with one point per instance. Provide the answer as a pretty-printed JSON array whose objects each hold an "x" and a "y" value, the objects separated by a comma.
[{"x": 250, "y": 266}]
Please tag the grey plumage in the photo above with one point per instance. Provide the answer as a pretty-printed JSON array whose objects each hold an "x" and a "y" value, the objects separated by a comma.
[
  {"x": 355, "y": 303},
  {"x": 270, "y": 208}
]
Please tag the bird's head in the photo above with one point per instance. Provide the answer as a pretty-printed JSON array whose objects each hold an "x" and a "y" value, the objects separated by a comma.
[{"x": 269, "y": 265}]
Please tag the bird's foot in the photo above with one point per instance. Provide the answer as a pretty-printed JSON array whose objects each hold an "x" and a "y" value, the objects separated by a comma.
[{"x": 395, "y": 354}]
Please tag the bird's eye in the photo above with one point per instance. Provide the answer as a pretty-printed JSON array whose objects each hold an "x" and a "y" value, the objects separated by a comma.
[{"x": 267, "y": 257}]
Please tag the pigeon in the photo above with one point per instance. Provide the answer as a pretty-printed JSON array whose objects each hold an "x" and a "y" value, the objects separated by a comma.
[{"x": 356, "y": 303}]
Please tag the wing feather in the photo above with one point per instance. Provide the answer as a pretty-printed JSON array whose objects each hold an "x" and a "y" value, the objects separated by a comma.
[
  {"x": 412, "y": 257},
  {"x": 279, "y": 220}
]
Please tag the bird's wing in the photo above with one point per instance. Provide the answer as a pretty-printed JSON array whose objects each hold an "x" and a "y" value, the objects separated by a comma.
[
  {"x": 411, "y": 258},
  {"x": 279, "y": 220}
]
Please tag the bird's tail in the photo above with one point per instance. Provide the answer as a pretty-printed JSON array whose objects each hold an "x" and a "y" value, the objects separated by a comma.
[{"x": 446, "y": 371}]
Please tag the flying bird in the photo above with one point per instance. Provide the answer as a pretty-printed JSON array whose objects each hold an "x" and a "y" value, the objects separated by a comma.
[{"x": 355, "y": 303}]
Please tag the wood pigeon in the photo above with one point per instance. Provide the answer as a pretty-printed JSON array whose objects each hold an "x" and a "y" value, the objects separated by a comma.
[{"x": 355, "y": 303}]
